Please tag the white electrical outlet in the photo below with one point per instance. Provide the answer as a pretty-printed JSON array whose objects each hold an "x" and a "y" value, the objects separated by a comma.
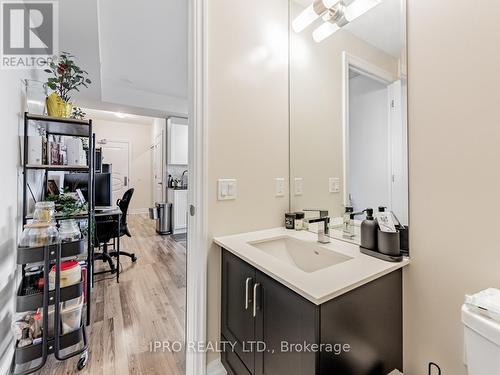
[
  {"x": 334, "y": 185},
  {"x": 226, "y": 189},
  {"x": 299, "y": 185},
  {"x": 279, "y": 186}
]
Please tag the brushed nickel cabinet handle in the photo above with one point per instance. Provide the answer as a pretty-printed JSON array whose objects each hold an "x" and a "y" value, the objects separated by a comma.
[
  {"x": 247, "y": 294},
  {"x": 255, "y": 287}
]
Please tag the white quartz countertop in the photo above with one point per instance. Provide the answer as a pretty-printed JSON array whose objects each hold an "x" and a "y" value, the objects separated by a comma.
[{"x": 319, "y": 286}]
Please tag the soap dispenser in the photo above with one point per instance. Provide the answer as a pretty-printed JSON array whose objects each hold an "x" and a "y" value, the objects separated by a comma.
[{"x": 369, "y": 229}]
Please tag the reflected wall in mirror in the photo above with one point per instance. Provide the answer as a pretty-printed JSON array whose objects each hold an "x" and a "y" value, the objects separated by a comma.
[{"x": 348, "y": 117}]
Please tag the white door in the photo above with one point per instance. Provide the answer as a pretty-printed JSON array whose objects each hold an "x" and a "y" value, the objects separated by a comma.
[
  {"x": 158, "y": 167},
  {"x": 116, "y": 153}
]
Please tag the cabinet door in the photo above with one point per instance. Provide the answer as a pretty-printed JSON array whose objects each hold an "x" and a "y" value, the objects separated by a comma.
[
  {"x": 178, "y": 142},
  {"x": 284, "y": 318},
  {"x": 238, "y": 326},
  {"x": 180, "y": 205}
]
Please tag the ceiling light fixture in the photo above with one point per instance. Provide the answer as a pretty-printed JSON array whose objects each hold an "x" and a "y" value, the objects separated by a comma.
[
  {"x": 334, "y": 14},
  {"x": 317, "y": 9}
]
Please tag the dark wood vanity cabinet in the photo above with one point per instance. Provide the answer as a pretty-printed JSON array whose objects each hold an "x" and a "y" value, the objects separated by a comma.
[{"x": 274, "y": 329}]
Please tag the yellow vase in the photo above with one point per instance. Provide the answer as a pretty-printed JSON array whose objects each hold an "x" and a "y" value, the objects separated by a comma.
[{"x": 57, "y": 107}]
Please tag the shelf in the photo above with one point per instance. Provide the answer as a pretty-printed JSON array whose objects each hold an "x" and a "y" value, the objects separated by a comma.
[
  {"x": 33, "y": 352},
  {"x": 68, "y": 168},
  {"x": 61, "y": 126},
  {"x": 60, "y": 216},
  {"x": 31, "y": 302},
  {"x": 35, "y": 254}
]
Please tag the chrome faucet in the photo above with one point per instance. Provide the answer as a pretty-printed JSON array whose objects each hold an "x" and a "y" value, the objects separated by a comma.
[
  {"x": 184, "y": 184},
  {"x": 323, "y": 230}
]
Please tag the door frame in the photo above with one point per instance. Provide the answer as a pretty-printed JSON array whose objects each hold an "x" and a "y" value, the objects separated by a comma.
[
  {"x": 197, "y": 237},
  {"x": 162, "y": 142},
  {"x": 369, "y": 70}
]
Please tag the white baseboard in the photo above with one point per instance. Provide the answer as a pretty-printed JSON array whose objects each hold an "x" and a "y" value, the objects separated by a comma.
[{"x": 215, "y": 368}]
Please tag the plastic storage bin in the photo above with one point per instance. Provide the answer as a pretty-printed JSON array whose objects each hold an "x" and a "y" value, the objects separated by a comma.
[
  {"x": 71, "y": 274},
  {"x": 71, "y": 315}
]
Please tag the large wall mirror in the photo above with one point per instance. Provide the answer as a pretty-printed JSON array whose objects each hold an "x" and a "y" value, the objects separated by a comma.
[{"x": 348, "y": 109}]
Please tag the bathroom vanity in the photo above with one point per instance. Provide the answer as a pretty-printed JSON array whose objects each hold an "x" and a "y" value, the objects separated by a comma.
[{"x": 294, "y": 306}]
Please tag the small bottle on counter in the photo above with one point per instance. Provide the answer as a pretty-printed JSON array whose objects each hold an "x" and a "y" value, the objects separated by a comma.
[
  {"x": 299, "y": 220},
  {"x": 290, "y": 221}
]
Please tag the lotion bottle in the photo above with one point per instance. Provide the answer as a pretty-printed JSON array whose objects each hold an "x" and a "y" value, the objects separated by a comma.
[{"x": 369, "y": 229}]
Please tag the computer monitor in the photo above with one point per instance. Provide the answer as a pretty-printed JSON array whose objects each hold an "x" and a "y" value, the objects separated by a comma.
[{"x": 103, "y": 186}]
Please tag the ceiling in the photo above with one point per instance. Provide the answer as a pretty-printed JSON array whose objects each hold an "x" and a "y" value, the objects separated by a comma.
[
  {"x": 382, "y": 26},
  {"x": 136, "y": 55},
  {"x": 118, "y": 117}
]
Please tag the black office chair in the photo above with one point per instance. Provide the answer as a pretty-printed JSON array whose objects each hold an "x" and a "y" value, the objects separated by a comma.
[
  {"x": 106, "y": 229},
  {"x": 124, "y": 231}
]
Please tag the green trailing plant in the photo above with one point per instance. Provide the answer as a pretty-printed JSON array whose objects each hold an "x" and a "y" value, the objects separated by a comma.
[
  {"x": 66, "y": 76},
  {"x": 67, "y": 204}
]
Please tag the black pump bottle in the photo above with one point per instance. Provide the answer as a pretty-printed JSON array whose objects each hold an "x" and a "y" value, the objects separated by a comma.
[{"x": 369, "y": 231}]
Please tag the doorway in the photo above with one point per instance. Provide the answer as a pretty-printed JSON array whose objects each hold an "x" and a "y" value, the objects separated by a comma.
[
  {"x": 116, "y": 154},
  {"x": 375, "y": 139}
]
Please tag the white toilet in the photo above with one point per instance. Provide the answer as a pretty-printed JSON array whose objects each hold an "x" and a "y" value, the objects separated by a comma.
[{"x": 482, "y": 343}]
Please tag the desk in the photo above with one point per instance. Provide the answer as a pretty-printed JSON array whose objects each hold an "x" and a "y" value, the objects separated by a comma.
[{"x": 114, "y": 215}]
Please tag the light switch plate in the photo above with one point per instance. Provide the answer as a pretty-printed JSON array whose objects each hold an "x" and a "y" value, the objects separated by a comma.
[
  {"x": 334, "y": 185},
  {"x": 279, "y": 186},
  {"x": 226, "y": 189},
  {"x": 298, "y": 185}
]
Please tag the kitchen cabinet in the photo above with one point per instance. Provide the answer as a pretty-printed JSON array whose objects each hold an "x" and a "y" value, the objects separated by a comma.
[
  {"x": 177, "y": 144},
  {"x": 278, "y": 332},
  {"x": 179, "y": 200}
]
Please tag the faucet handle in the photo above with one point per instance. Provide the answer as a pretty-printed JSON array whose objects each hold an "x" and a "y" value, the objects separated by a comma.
[{"x": 324, "y": 219}]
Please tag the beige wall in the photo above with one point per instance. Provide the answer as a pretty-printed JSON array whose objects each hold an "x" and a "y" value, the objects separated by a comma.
[
  {"x": 11, "y": 118},
  {"x": 316, "y": 111},
  {"x": 247, "y": 123},
  {"x": 454, "y": 81},
  {"x": 141, "y": 173}
]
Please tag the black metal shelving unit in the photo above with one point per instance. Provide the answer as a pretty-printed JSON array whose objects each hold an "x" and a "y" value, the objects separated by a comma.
[{"x": 53, "y": 255}]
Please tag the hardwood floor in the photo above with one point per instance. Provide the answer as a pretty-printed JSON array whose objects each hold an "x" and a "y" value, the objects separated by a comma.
[{"x": 147, "y": 305}]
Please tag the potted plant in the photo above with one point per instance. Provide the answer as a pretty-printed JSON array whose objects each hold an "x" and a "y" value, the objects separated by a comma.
[{"x": 66, "y": 77}]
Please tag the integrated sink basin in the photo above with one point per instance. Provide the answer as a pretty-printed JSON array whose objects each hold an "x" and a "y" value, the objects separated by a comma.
[{"x": 306, "y": 256}]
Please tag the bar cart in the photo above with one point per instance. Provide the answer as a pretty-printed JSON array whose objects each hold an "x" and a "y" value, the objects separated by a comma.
[{"x": 56, "y": 338}]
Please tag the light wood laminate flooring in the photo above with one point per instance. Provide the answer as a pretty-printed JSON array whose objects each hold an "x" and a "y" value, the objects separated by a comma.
[{"x": 147, "y": 305}]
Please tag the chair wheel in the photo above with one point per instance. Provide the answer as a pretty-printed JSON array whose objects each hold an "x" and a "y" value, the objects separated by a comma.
[
  {"x": 82, "y": 362},
  {"x": 134, "y": 258}
]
